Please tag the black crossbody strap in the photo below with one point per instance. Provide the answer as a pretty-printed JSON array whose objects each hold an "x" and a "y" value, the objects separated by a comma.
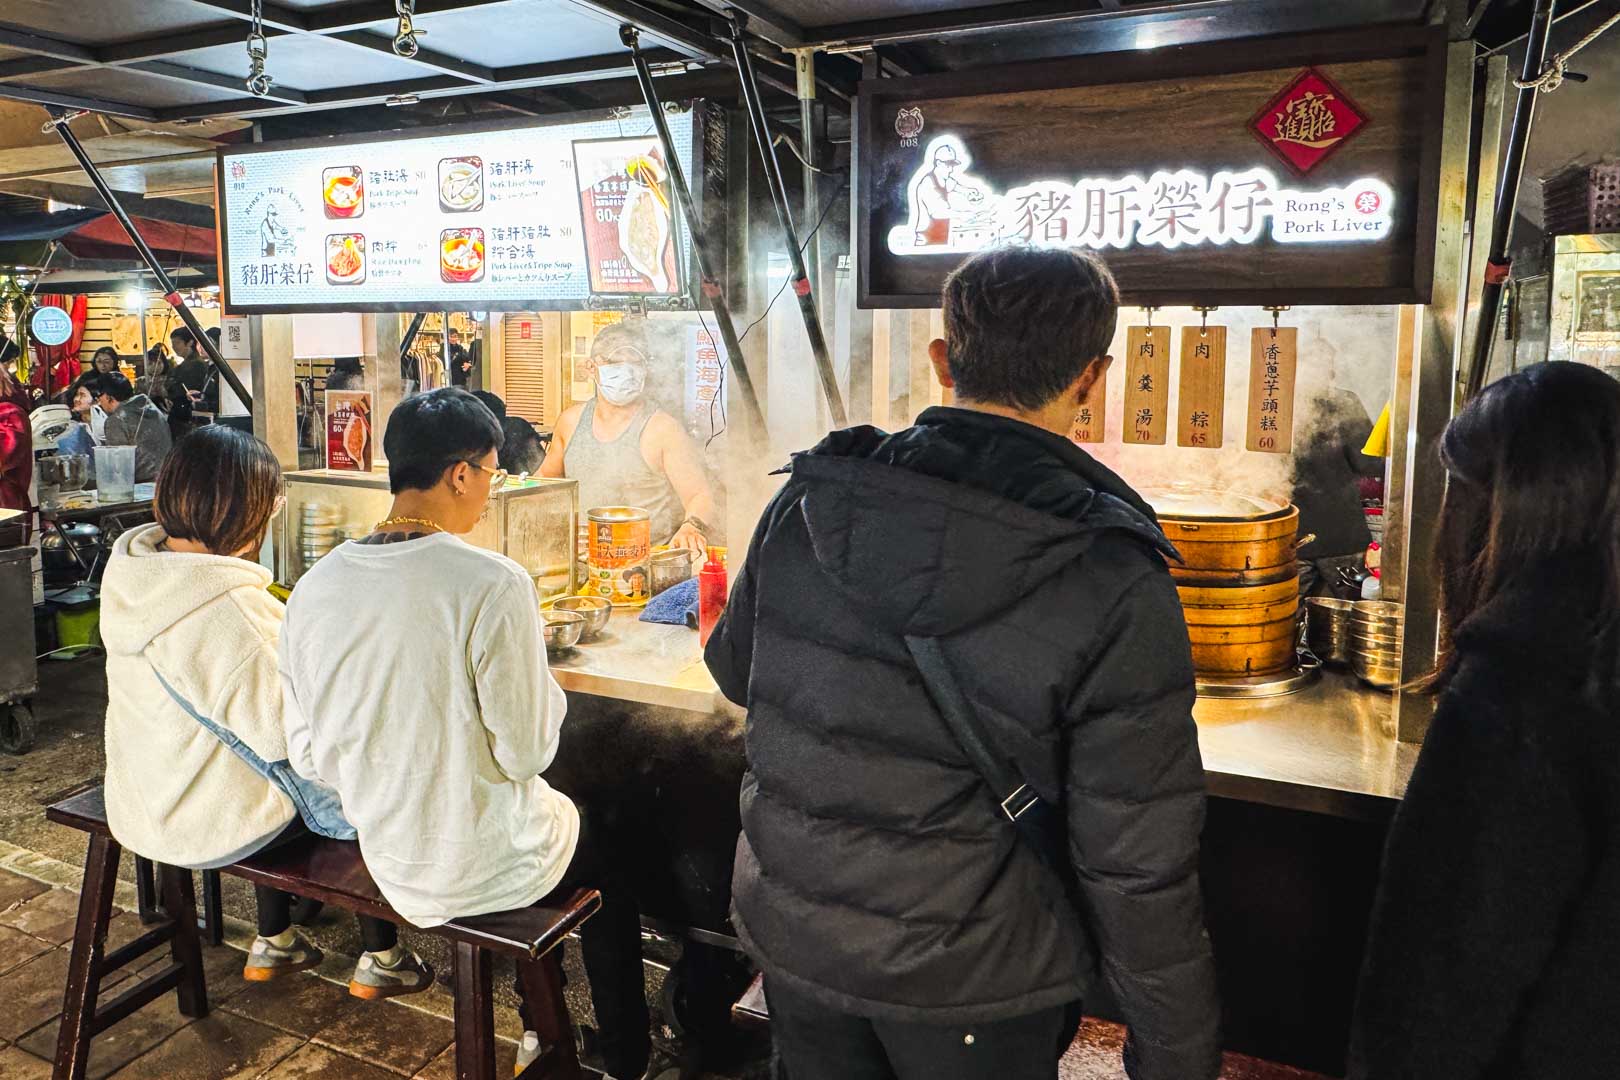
[{"x": 1021, "y": 805}]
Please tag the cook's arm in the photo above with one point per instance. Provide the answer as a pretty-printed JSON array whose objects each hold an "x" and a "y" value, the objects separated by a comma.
[{"x": 681, "y": 462}]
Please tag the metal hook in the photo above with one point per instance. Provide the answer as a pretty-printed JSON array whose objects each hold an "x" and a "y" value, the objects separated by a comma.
[
  {"x": 1276, "y": 315},
  {"x": 1203, "y": 319},
  {"x": 1149, "y": 310},
  {"x": 405, "y": 40}
]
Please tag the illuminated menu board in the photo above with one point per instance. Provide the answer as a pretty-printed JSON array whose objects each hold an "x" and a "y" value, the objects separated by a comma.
[{"x": 476, "y": 219}]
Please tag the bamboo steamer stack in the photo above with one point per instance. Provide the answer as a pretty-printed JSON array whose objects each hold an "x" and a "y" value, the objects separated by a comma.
[{"x": 1238, "y": 579}]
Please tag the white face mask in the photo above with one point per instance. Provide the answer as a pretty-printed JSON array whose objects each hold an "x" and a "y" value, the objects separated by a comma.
[{"x": 620, "y": 384}]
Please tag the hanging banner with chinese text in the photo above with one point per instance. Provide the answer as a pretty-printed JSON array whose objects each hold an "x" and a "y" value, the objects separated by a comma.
[
  {"x": 1202, "y": 393},
  {"x": 1291, "y": 171},
  {"x": 1090, "y": 420},
  {"x": 1147, "y": 384},
  {"x": 1272, "y": 357}
]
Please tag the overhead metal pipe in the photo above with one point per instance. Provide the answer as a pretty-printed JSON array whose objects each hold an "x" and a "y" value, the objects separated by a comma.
[
  {"x": 784, "y": 215},
  {"x": 1499, "y": 261},
  {"x": 712, "y": 290},
  {"x": 59, "y": 120}
]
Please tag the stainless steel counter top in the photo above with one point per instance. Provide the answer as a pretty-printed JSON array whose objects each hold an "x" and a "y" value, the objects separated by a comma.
[
  {"x": 649, "y": 663},
  {"x": 1329, "y": 748}
]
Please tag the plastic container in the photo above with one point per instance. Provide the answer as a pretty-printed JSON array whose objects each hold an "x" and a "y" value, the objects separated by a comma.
[
  {"x": 115, "y": 474},
  {"x": 711, "y": 595},
  {"x": 1373, "y": 587}
]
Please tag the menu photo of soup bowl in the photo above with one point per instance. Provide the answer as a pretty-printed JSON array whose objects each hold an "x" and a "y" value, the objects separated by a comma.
[
  {"x": 461, "y": 255},
  {"x": 343, "y": 191},
  {"x": 345, "y": 258},
  {"x": 461, "y": 184}
]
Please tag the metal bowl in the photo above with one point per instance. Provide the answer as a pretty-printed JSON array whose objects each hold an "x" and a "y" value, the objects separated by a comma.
[
  {"x": 563, "y": 629},
  {"x": 595, "y": 610},
  {"x": 1384, "y": 676},
  {"x": 1328, "y": 628}
]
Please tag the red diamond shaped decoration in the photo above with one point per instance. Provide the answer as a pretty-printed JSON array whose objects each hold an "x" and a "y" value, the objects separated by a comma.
[{"x": 1306, "y": 123}]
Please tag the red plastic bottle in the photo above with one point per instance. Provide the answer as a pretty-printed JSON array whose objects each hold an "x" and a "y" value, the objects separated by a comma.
[{"x": 711, "y": 595}]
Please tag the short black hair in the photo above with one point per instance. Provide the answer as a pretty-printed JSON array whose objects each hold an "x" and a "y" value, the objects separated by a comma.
[
  {"x": 492, "y": 402},
  {"x": 219, "y": 488},
  {"x": 181, "y": 333},
  {"x": 428, "y": 433},
  {"x": 113, "y": 384},
  {"x": 523, "y": 452},
  {"x": 1022, "y": 323}
]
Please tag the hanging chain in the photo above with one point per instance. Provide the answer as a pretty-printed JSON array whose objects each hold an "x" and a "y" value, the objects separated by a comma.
[
  {"x": 1552, "y": 76},
  {"x": 405, "y": 41},
  {"x": 258, "y": 49}
]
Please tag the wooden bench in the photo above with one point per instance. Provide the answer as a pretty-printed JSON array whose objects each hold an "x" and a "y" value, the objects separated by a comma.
[{"x": 331, "y": 871}]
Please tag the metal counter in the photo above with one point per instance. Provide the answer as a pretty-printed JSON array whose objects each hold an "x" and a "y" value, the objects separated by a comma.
[
  {"x": 647, "y": 663},
  {"x": 1329, "y": 748}
]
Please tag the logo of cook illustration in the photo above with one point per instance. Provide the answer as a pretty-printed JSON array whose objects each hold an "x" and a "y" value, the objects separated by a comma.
[{"x": 908, "y": 124}]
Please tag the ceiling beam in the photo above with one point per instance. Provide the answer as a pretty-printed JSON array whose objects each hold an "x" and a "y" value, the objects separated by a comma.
[
  {"x": 169, "y": 45},
  {"x": 1022, "y": 15},
  {"x": 775, "y": 28},
  {"x": 41, "y": 96},
  {"x": 171, "y": 210},
  {"x": 368, "y": 12},
  {"x": 441, "y": 62},
  {"x": 45, "y": 46},
  {"x": 656, "y": 24},
  {"x": 194, "y": 77}
]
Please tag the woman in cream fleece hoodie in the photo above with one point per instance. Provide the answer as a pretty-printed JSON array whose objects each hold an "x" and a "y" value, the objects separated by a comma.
[{"x": 197, "y": 771}]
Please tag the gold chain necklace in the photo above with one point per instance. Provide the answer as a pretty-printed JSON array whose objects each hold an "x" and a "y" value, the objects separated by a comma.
[{"x": 386, "y": 522}]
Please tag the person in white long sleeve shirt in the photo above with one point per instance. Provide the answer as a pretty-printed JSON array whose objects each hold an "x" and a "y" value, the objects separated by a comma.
[{"x": 416, "y": 683}]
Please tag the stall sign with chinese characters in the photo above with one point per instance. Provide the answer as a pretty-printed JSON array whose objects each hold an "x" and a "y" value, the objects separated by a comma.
[
  {"x": 1147, "y": 384},
  {"x": 1286, "y": 170},
  {"x": 1308, "y": 121},
  {"x": 1272, "y": 356},
  {"x": 953, "y": 211},
  {"x": 705, "y": 374},
  {"x": 475, "y": 220}
]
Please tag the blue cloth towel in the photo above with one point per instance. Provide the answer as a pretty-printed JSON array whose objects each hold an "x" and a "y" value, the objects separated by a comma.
[{"x": 676, "y": 605}]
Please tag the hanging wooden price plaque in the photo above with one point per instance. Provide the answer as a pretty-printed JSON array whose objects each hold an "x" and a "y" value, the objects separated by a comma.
[
  {"x": 1272, "y": 359},
  {"x": 1090, "y": 420},
  {"x": 1147, "y": 384},
  {"x": 1202, "y": 418}
]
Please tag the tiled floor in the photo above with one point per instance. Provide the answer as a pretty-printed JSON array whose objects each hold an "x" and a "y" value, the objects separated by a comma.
[{"x": 300, "y": 1028}]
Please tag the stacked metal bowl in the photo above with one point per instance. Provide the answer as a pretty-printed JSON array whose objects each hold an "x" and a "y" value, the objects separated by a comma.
[
  {"x": 1375, "y": 642},
  {"x": 1327, "y": 628},
  {"x": 320, "y": 529}
]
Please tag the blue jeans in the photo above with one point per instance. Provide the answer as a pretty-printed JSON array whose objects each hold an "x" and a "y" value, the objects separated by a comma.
[{"x": 318, "y": 805}]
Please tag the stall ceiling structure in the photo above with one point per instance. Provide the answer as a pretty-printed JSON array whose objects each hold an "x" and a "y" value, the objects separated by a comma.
[{"x": 162, "y": 81}]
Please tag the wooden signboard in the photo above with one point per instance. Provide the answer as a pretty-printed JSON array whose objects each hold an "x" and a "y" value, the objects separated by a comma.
[
  {"x": 1202, "y": 397},
  {"x": 1091, "y": 419},
  {"x": 1147, "y": 384},
  {"x": 1289, "y": 170},
  {"x": 1272, "y": 359}
]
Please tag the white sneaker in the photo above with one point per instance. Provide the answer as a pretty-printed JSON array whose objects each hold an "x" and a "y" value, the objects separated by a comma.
[
  {"x": 373, "y": 981},
  {"x": 267, "y": 960}
]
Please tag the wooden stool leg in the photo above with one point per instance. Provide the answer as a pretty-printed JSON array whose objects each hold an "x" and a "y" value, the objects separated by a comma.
[
  {"x": 542, "y": 981},
  {"x": 475, "y": 1014},
  {"x": 185, "y": 947},
  {"x": 146, "y": 897},
  {"x": 213, "y": 909},
  {"x": 84, "y": 978}
]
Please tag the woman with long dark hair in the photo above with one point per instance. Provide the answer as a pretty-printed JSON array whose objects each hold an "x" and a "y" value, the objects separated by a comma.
[
  {"x": 1495, "y": 942},
  {"x": 16, "y": 443}
]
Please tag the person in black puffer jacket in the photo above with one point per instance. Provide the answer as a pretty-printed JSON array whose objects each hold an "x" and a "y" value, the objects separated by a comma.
[
  {"x": 903, "y": 926},
  {"x": 1494, "y": 950}
]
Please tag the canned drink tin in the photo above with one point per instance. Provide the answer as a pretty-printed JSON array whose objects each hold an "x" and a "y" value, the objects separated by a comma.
[{"x": 619, "y": 560}]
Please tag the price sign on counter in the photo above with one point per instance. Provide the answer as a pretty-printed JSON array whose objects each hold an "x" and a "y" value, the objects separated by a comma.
[
  {"x": 1090, "y": 420},
  {"x": 1202, "y": 420},
  {"x": 1147, "y": 384},
  {"x": 348, "y": 430},
  {"x": 1272, "y": 360}
]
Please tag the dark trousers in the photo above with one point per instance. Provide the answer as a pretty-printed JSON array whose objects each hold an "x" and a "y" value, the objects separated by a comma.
[
  {"x": 276, "y": 912},
  {"x": 814, "y": 1042},
  {"x": 610, "y": 942}
]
